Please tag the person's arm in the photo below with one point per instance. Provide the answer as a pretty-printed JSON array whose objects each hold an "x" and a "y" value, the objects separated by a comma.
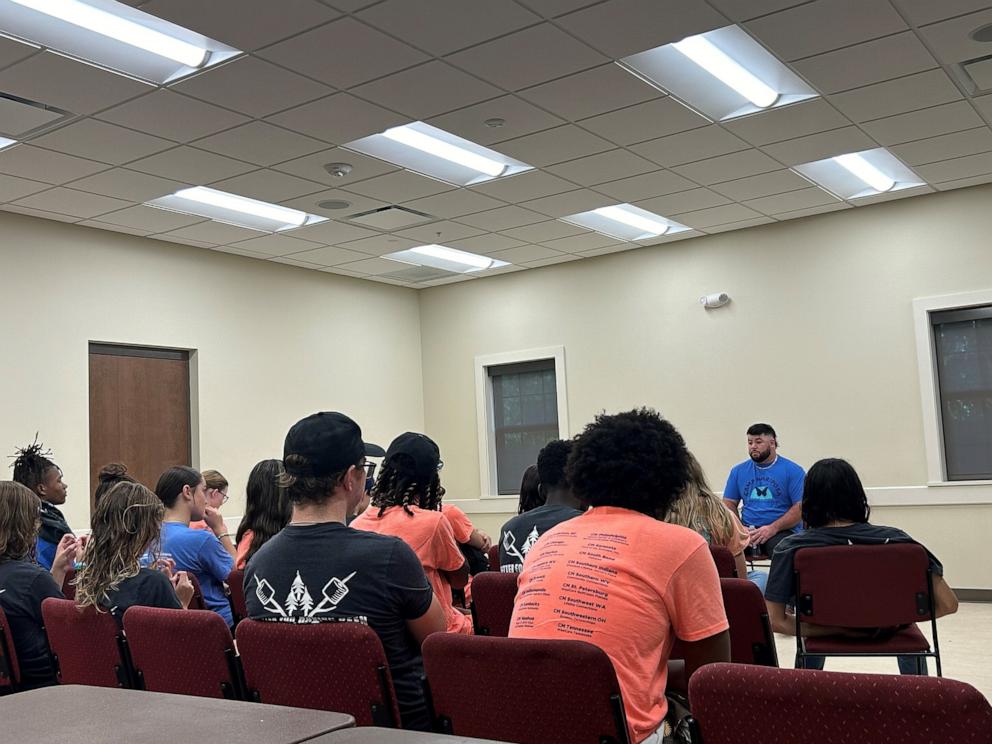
[
  {"x": 730, "y": 491},
  {"x": 945, "y": 601},
  {"x": 706, "y": 651},
  {"x": 786, "y": 522},
  {"x": 479, "y": 539},
  {"x": 741, "y": 565},
  {"x": 216, "y": 524},
  {"x": 65, "y": 555},
  {"x": 183, "y": 588},
  {"x": 448, "y": 556},
  {"x": 785, "y": 623},
  {"x": 432, "y": 621}
]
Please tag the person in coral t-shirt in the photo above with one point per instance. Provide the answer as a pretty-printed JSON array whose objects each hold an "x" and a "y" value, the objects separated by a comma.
[
  {"x": 620, "y": 578},
  {"x": 406, "y": 501}
]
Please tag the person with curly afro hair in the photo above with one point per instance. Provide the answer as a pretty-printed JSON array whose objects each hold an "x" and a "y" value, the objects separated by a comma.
[{"x": 618, "y": 576}]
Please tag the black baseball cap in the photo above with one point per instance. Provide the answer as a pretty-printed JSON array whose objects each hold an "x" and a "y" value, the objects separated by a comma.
[
  {"x": 323, "y": 444},
  {"x": 420, "y": 450}
]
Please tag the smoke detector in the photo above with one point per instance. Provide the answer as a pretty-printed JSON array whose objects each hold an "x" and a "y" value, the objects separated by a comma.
[{"x": 339, "y": 170}]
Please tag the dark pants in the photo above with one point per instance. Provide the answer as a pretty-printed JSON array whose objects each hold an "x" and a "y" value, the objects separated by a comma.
[
  {"x": 767, "y": 547},
  {"x": 907, "y": 664}
]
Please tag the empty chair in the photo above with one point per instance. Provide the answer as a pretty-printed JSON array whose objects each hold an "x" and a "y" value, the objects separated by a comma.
[
  {"x": 751, "y": 638},
  {"x": 494, "y": 558},
  {"x": 497, "y": 688},
  {"x": 883, "y": 588},
  {"x": 186, "y": 652},
  {"x": 492, "y": 602},
  {"x": 10, "y": 672},
  {"x": 790, "y": 705},
  {"x": 236, "y": 589},
  {"x": 328, "y": 666},
  {"x": 726, "y": 568},
  {"x": 88, "y": 645}
]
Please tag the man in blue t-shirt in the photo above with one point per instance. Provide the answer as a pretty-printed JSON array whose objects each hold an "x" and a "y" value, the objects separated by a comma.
[{"x": 771, "y": 488}]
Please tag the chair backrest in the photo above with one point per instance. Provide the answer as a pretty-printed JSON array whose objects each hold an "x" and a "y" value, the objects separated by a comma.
[
  {"x": 327, "y": 666},
  {"x": 69, "y": 584},
  {"x": 196, "y": 603},
  {"x": 494, "y": 558},
  {"x": 186, "y": 652},
  {"x": 751, "y": 639},
  {"x": 88, "y": 645},
  {"x": 863, "y": 586},
  {"x": 726, "y": 567},
  {"x": 497, "y": 688},
  {"x": 789, "y": 705},
  {"x": 492, "y": 602},
  {"x": 236, "y": 587},
  {"x": 10, "y": 672}
]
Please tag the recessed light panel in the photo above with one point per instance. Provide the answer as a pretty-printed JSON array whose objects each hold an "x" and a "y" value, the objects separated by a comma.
[
  {"x": 4, "y": 142},
  {"x": 235, "y": 210},
  {"x": 449, "y": 259},
  {"x": 722, "y": 74},
  {"x": 113, "y": 35},
  {"x": 439, "y": 154},
  {"x": 626, "y": 222},
  {"x": 859, "y": 174}
]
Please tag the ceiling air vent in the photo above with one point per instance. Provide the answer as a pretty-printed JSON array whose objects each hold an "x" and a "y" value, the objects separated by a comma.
[
  {"x": 391, "y": 218},
  {"x": 979, "y": 72},
  {"x": 20, "y": 117},
  {"x": 419, "y": 274}
]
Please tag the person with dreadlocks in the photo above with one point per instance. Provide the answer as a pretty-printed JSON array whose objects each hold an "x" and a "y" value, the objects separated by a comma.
[
  {"x": 34, "y": 468},
  {"x": 406, "y": 503}
]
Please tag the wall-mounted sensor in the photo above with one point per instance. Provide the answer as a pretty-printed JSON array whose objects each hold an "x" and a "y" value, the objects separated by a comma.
[{"x": 719, "y": 299}]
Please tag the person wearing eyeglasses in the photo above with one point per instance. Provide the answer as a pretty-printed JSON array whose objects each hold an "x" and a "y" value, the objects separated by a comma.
[
  {"x": 217, "y": 487},
  {"x": 371, "y": 450}
]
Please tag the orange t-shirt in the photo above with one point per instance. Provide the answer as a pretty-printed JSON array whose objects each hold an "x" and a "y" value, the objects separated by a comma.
[
  {"x": 200, "y": 525},
  {"x": 429, "y": 534},
  {"x": 242, "y": 557},
  {"x": 629, "y": 584},
  {"x": 461, "y": 525}
]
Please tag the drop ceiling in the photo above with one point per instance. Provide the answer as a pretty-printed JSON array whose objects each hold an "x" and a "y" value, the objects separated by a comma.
[{"x": 899, "y": 74}]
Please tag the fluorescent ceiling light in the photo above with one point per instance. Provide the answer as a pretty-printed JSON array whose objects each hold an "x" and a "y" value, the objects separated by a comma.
[
  {"x": 114, "y": 36},
  {"x": 234, "y": 209},
  {"x": 4, "y": 142},
  {"x": 701, "y": 51},
  {"x": 433, "y": 152},
  {"x": 859, "y": 174},
  {"x": 448, "y": 259},
  {"x": 626, "y": 222},
  {"x": 866, "y": 171}
]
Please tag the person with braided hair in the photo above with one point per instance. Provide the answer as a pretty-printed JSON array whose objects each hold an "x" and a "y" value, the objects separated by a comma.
[
  {"x": 34, "y": 468},
  {"x": 406, "y": 503}
]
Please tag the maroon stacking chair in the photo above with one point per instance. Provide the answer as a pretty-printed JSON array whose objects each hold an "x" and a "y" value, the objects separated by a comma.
[
  {"x": 10, "y": 672},
  {"x": 327, "y": 666},
  {"x": 751, "y": 638},
  {"x": 587, "y": 709},
  {"x": 69, "y": 584},
  {"x": 236, "y": 591},
  {"x": 726, "y": 567},
  {"x": 887, "y": 587},
  {"x": 196, "y": 603},
  {"x": 790, "y": 705},
  {"x": 88, "y": 645},
  {"x": 492, "y": 602},
  {"x": 494, "y": 558},
  {"x": 186, "y": 652}
]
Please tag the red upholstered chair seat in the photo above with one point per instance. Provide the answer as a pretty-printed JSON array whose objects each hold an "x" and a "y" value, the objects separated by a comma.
[
  {"x": 906, "y": 641},
  {"x": 492, "y": 602}
]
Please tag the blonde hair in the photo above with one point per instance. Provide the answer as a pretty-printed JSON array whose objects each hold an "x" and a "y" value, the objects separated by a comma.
[
  {"x": 127, "y": 522},
  {"x": 215, "y": 480},
  {"x": 20, "y": 519},
  {"x": 699, "y": 509}
]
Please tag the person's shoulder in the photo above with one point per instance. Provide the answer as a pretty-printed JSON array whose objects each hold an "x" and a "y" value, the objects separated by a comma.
[
  {"x": 791, "y": 465},
  {"x": 22, "y": 570},
  {"x": 152, "y": 577}
]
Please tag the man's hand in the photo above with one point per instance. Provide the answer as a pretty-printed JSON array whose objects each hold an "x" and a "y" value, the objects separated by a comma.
[{"x": 761, "y": 535}]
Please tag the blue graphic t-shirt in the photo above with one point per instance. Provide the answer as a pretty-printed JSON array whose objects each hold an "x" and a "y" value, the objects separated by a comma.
[
  {"x": 768, "y": 492},
  {"x": 200, "y": 553}
]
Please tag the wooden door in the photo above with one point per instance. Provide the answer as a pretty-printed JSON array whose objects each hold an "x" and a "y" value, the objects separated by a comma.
[{"x": 139, "y": 411}]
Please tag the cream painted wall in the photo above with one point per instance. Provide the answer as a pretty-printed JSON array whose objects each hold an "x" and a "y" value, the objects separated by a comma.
[
  {"x": 273, "y": 343},
  {"x": 819, "y": 340}
]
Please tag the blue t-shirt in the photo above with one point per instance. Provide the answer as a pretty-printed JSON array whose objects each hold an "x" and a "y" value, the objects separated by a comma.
[
  {"x": 200, "y": 553},
  {"x": 768, "y": 492},
  {"x": 44, "y": 553}
]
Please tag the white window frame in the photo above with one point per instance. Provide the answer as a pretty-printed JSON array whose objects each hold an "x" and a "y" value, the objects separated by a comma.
[{"x": 484, "y": 413}]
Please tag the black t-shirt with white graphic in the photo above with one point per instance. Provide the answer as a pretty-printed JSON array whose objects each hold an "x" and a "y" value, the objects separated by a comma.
[
  {"x": 328, "y": 572},
  {"x": 520, "y": 533},
  {"x": 149, "y": 588},
  {"x": 23, "y": 586},
  {"x": 781, "y": 585}
]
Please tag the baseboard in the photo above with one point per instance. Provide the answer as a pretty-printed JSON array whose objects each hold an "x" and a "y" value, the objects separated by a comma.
[{"x": 973, "y": 595}]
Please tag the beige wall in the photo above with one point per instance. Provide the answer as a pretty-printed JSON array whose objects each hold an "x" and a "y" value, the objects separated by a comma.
[
  {"x": 819, "y": 340},
  {"x": 273, "y": 343}
]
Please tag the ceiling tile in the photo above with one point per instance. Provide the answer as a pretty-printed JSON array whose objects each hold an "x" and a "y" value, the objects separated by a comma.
[
  {"x": 12, "y": 188},
  {"x": 338, "y": 118},
  {"x": 950, "y": 40},
  {"x": 399, "y": 186},
  {"x": 580, "y": 243},
  {"x": 149, "y": 219},
  {"x": 526, "y": 253},
  {"x": 268, "y": 185},
  {"x": 682, "y": 201},
  {"x": 252, "y": 86},
  {"x": 743, "y": 225},
  {"x": 645, "y": 121},
  {"x": 344, "y": 53},
  {"x": 766, "y": 184},
  {"x": 439, "y": 232},
  {"x": 12, "y": 51},
  {"x": 894, "y": 195},
  {"x": 745, "y": 10},
  {"x": 190, "y": 165},
  {"x": 820, "y": 146},
  {"x": 867, "y": 63},
  {"x": 529, "y": 185},
  {"x": 39, "y": 213},
  {"x": 312, "y": 167},
  {"x": 329, "y": 256},
  {"x": 293, "y": 262},
  {"x": 130, "y": 185},
  {"x": 503, "y": 218},
  {"x": 19, "y": 119},
  {"x": 606, "y": 166},
  {"x": 212, "y": 232},
  {"x": 824, "y": 25},
  {"x": 455, "y": 203},
  {"x": 945, "y": 147},
  {"x": 333, "y": 231},
  {"x": 375, "y": 266},
  {"x": 465, "y": 22},
  {"x": 277, "y": 245},
  {"x": 563, "y": 258},
  {"x": 619, "y": 28},
  {"x": 897, "y": 96},
  {"x": 685, "y": 147},
  {"x": 349, "y": 6},
  {"x": 791, "y": 201},
  {"x": 787, "y": 122},
  {"x": 922, "y": 12},
  {"x": 596, "y": 91},
  {"x": 97, "y": 140},
  {"x": 957, "y": 168},
  {"x": 427, "y": 90},
  {"x": 43, "y": 165},
  {"x": 571, "y": 202},
  {"x": 194, "y": 243},
  {"x": 244, "y": 24},
  {"x": 704, "y": 218},
  {"x": 552, "y": 8},
  {"x": 114, "y": 228},
  {"x": 984, "y": 105},
  {"x": 67, "y": 84},
  {"x": 813, "y": 210},
  {"x": 950, "y": 117},
  {"x": 554, "y": 145},
  {"x": 657, "y": 183},
  {"x": 76, "y": 203},
  {"x": 378, "y": 245},
  {"x": 965, "y": 182},
  {"x": 170, "y": 115},
  {"x": 528, "y": 57},
  {"x": 260, "y": 143},
  {"x": 542, "y": 231},
  {"x": 519, "y": 118},
  {"x": 728, "y": 167},
  {"x": 486, "y": 244},
  {"x": 356, "y": 203}
]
